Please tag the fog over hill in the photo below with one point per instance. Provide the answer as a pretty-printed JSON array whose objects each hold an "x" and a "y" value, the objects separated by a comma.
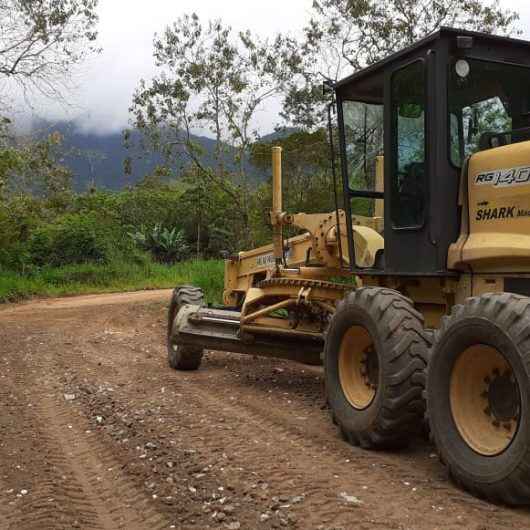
[{"x": 98, "y": 159}]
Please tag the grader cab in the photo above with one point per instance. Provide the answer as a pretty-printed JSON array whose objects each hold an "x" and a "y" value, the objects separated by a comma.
[{"x": 432, "y": 315}]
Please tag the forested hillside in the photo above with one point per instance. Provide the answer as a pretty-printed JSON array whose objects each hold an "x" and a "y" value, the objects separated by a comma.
[{"x": 96, "y": 159}]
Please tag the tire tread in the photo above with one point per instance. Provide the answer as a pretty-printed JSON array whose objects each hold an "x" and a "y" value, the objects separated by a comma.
[
  {"x": 406, "y": 346},
  {"x": 186, "y": 357},
  {"x": 512, "y": 313}
]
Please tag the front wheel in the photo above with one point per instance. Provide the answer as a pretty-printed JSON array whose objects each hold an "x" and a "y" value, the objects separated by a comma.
[
  {"x": 478, "y": 399},
  {"x": 183, "y": 357},
  {"x": 375, "y": 360}
]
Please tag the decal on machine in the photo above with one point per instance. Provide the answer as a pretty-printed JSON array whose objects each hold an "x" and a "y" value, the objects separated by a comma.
[
  {"x": 268, "y": 259},
  {"x": 504, "y": 212},
  {"x": 486, "y": 214},
  {"x": 501, "y": 178}
]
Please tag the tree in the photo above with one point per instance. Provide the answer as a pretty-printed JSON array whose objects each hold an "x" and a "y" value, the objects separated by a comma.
[
  {"x": 347, "y": 35},
  {"x": 9, "y": 156},
  {"x": 93, "y": 157},
  {"x": 307, "y": 182},
  {"x": 213, "y": 80},
  {"x": 41, "y": 40},
  {"x": 35, "y": 167}
]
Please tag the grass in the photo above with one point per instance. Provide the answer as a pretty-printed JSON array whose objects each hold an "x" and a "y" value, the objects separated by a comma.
[{"x": 114, "y": 277}]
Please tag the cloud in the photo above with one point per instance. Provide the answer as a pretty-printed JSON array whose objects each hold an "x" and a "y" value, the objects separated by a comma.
[{"x": 105, "y": 84}]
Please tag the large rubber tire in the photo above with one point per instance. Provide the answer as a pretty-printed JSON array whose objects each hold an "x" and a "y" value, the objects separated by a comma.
[
  {"x": 183, "y": 357},
  {"x": 483, "y": 327},
  {"x": 401, "y": 347}
]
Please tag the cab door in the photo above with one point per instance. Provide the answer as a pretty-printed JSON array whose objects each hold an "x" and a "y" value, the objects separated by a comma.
[{"x": 408, "y": 247}]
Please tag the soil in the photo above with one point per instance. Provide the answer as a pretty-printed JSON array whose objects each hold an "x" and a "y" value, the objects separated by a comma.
[{"x": 97, "y": 432}]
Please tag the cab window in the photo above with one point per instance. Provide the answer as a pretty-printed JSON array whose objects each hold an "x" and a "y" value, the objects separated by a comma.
[
  {"x": 408, "y": 139},
  {"x": 363, "y": 135},
  {"x": 491, "y": 102}
]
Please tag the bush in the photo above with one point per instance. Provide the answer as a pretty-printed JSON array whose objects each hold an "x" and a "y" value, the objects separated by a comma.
[
  {"x": 77, "y": 238},
  {"x": 141, "y": 207},
  {"x": 166, "y": 246},
  {"x": 116, "y": 276},
  {"x": 18, "y": 218}
]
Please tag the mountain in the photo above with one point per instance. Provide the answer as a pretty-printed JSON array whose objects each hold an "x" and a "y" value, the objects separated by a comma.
[
  {"x": 98, "y": 159},
  {"x": 282, "y": 132}
]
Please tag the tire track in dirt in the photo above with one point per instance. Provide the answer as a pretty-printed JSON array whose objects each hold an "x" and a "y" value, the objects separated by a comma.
[
  {"x": 394, "y": 472},
  {"x": 322, "y": 503},
  {"x": 57, "y": 499},
  {"x": 125, "y": 505},
  {"x": 116, "y": 491},
  {"x": 244, "y": 427},
  {"x": 75, "y": 490},
  {"x": 260, "y": 446},
  {"x": 240, "y": 432},
  {"x": 364, "y": 462},
  {"x": 253, "y": 419},
  {"x": 116, "y": 502}
]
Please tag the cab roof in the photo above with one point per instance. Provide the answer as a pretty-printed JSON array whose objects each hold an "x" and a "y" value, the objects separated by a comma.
[{"x": 369, "y": 80}]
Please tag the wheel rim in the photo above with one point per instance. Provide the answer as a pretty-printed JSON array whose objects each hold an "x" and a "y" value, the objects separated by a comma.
[
  {"x": 485, "y": 399},
  {"x": 358, "y": 367}
]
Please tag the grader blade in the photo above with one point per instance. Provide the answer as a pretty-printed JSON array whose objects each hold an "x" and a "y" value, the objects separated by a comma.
[{"x": 219, "y": 329}]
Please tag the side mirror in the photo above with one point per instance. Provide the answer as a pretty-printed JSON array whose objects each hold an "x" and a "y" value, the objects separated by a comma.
[{"x": 328, "y": 87}]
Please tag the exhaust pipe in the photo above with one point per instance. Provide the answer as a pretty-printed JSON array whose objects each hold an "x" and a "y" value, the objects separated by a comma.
[{"x": 277, "y": 207}]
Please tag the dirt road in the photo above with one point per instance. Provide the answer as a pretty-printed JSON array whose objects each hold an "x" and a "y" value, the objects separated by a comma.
[{"x": 96, "y": 432}]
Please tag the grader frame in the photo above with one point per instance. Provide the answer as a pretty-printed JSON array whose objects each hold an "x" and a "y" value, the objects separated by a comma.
[{"x": 433, "y": 319}]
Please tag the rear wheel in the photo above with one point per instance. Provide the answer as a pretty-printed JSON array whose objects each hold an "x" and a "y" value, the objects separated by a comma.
[
  {"x": 375, "y": 361},
  {"x": 477, "y": 395},
  {"x": 183, "y": 357}
]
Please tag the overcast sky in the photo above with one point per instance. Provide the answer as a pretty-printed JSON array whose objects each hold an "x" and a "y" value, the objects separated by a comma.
[{"x": 106, "y": 83}]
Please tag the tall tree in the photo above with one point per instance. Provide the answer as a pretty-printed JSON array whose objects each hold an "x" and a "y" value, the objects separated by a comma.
[
  {"x": 346, "y": 35},
  {"x": 307, "y": 182},
  {"x": 210, "y": 80},
  {"x": 34, "y": 167},
  {"x": 10, "y": 158},
  {"x": 41, "y": 40}
]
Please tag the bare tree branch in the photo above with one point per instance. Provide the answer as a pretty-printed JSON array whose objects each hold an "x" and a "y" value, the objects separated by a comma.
[
  {"x": 365, "y": 31},
  {"x": 42, "y": 40}
]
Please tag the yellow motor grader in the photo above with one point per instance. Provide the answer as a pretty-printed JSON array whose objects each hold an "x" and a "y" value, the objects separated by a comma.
[{"x": 420, "y": 307}]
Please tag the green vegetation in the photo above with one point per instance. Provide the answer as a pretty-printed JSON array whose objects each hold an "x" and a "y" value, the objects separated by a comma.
[
  {"x": 103, "y": 241},
  {"x": 112, "y": 277},
  {"x": 160, "y": 233}
]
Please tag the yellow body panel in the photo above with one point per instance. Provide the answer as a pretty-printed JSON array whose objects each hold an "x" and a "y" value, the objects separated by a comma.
[
  {"x": 315, "y": 251},
  {"x": 499, "y": 212}
]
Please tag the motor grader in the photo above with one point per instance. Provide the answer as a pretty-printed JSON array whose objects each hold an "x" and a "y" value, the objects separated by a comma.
[{"x": 420, "y": 307}]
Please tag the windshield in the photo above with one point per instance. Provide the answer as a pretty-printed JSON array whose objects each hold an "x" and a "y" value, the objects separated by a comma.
[
  {"x": 363, "y": 131},
  {"x": 363, "y": 136},
  {"x": 486, "y": 99}
]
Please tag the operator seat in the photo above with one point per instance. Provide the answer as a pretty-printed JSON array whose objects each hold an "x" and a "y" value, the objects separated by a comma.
[
  {"x": 489, "y": 140},
  {"x": 411, "y": 195}
]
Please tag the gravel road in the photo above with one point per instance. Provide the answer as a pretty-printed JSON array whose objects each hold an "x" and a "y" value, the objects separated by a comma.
[{"x": 96, "y": 432}]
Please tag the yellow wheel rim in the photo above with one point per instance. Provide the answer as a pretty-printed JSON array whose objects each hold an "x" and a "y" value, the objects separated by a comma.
[
  {"x": 358, "y": 367},
  {"x": 485, "y": 399}
]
